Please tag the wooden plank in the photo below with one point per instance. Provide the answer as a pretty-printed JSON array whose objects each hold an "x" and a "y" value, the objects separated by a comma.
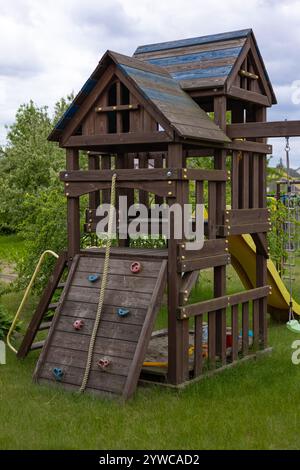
[
  {"x": 119, "y": 107},
  {"x": 264, "y": 129},
  {"x": 144, "y": 174},
  {"x": 178, "y": 333},
  {"x": 161, "y": 188},
  {"x": 255, "y": 314},
  {"x": 254, "y": 181},
  {"x": 201, "y": 308},
  {"x": 224, "y": 231},
  {"x": 112, "y": 297},
  {"x": 146, "y": 254},
  {"x": 202, "y": 263},
  {"x": 98, "y": 380},
  {"x": 188, "y": 282},
  {"x": 139, "y": 356},
  {"x": 94, "y": 265},
  {"x": 212, "y": 247},
  {"x": 86, "y": 142},
  {"x": 239, "y": 145},
  {"x": 143, "y": 164},
  {"x": 247, "y": 216},
  {"x": 42, "y": 307},
  {"x": 173, "y": 52},
  {"x": 103, "y": 346},
  {"x": 117, "y": 282},
  {"x": 179, "y": 66},
  {"x": 244, "y": 182},
  {"x": 234, "y": 332},
  {"x": 206, "y": 175},
  {"x": 158, "y": 164},
  {"x": 83, "y": 310},
  {"x": 73, "y": 208},
  {"x": 198, "y": 359},
  {"x": 212, "y": 339},
  {"x": 136, "y": 174},
  {"x": 245, "y": 328},
  {"x": 73, "y": 358},
  {"x": 235, "y": 180},
  {"x": 44, "y": 352},
  {"x": 212, "y": 209},
  {"x": 249, "y": 96},
  {"x": 93, "y": 164},
  {"x": 106, "y": 329},
  {"x": 88, "y": 104}
]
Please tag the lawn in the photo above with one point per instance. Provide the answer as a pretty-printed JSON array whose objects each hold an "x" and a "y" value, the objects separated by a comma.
[{"x": 251, "y": 406}]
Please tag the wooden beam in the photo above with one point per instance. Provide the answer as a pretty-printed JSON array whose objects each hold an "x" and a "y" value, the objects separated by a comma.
[
  {"x": 246, "y": 95},
  {"x": 264, "y": 129},
  {"x": 239, "y": 145},
  {"x": 89, "y": 141},
  {"x": 201, "y": 308},
  {"x": 145, "y": 174},
  {"x": 119, "y": 107},
  {"x": 73, "y": 208}
]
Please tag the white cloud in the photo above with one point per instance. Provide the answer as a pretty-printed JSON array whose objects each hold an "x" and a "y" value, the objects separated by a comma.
[{"x": 48, "y": 49}]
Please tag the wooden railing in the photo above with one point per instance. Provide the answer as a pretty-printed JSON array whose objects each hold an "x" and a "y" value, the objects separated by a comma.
[{"x": 236, "y": 342}]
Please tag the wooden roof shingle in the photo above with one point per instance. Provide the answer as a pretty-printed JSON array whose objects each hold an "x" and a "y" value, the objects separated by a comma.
[
  {"x": 201, "y": 62},
  {"x": 161, "y": 91}
]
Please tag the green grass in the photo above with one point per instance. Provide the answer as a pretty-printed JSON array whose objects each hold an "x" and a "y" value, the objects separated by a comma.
[
  {"x": 11, "y": 247},
  {"x": 251, "y": 406}
]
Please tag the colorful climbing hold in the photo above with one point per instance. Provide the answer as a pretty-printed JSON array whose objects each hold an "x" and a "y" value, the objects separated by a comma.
[
  {"x": 78, "y": 324},
  {"x": 93, "y": 277},
  {"x": 58, "y": 373},
  {"x": 135, "y": 267},
  {"x": 123, "y": 312},
  {"x": 104, "y": 363}
]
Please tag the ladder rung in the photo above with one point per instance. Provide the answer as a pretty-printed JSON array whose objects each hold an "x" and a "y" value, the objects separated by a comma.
[
  {"x": 61, "y": 285},
  {"x": 45, "y": 326},
  {"x": 53, "y": 306},
  {"x": 37, "y": 345}
]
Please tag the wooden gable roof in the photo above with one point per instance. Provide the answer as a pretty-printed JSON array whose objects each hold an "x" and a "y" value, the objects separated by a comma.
[
  {"x": 207, "y": 62},
  {"x": 173, "y": 108}
]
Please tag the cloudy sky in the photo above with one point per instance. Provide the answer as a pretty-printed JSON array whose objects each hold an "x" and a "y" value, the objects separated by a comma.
[{"x": 49, "y": 48}]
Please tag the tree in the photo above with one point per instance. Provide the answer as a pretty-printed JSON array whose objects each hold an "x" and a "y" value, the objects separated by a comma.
[{"x": 31, "y": 197}]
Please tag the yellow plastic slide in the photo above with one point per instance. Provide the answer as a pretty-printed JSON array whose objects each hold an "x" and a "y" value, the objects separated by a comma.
[{"x": 242, "y": 250}]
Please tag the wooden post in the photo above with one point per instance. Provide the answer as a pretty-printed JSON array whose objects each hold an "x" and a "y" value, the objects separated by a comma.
[
  {"x": 261, "y": 260},
  {"x": 94, "y": 164},
  {"x": 220, "y": 109},
  {"x": 178, "y": 330},
  {"x": 73, "y": 208}
]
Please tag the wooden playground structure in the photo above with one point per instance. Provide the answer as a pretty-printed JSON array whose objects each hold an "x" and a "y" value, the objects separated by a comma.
[{"x": 142, "y": 119}]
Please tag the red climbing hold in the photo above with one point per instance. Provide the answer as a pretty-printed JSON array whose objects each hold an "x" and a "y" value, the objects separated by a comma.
[
  {"x": 104, "y": 363},
  {"x": 135, "y": 267},
  {"x": 78, "y": 324}
]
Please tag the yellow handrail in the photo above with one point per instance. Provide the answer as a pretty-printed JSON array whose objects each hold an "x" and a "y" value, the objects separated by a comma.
[{"x": 25, "y": 297}]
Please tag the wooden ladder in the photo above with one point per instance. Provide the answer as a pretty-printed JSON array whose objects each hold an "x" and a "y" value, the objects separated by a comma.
[{"x": 36, "y": 323}]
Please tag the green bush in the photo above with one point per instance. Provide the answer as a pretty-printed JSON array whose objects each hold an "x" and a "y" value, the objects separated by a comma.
[{"x": 5, "y": 322}]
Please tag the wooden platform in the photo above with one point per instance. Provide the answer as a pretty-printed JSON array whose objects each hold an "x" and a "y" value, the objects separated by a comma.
[{"x": 122, "y": 340}]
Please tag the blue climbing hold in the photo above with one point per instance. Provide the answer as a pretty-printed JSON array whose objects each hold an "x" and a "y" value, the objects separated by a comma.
[
  {"x": 123, "y": 312},
  {"x": 93, "y": 277},
  {"x": 58, "y": 373}
]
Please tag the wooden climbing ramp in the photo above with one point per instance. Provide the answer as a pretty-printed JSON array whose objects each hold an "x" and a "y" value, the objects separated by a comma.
[{"x": 132, "y": 298}]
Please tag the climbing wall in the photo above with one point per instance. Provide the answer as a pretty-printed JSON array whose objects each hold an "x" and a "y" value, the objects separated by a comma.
[{"x": 132, "y": 298}]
